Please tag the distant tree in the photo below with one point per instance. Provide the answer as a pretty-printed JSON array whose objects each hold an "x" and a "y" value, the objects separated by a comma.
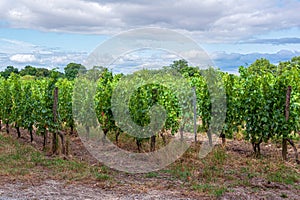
[
  {"x": 179, "y": 64},
  {"x": 9, "y": 69},
  {"x": 42, "y": 72},
  {"x": 182, "y": 67},
  {"x": 72, "y": 69},
  {"x": 28, "y": 70}
]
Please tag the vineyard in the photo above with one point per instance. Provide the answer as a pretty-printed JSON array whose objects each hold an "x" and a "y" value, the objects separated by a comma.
[
  {"x": 261, "y": 105},
  {"x": 256, "y": 103}
]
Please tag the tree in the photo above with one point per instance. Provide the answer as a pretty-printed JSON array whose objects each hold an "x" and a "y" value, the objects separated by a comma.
[
  {"x": 72, "y": 69},
  {"x": 8, "y": 71},
  {"x": 43, "y": 72},
  {"x": 179, "y": 65},
  {"x": 28, "y": 70}
]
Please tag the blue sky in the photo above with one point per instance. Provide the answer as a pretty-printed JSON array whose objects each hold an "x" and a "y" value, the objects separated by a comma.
[{"x": 53, "y": 33}]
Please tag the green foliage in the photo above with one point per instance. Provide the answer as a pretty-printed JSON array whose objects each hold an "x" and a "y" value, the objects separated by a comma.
[
  {"x": 5, "y": 100},
  {"x": 255, "y": 100},
  {"x": 28, "y": 70},
  {"x": 105, "y": 87},
  {"x": 179, "y": 65},
  {"x": 72, "y": 69},
  {"x": 263, "y": 97},
  {"x": 9, "y": 69},
  {"x": 65, "y": 94}
]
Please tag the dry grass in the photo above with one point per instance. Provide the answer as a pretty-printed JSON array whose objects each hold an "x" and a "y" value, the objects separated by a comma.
[
  {"x": 23, "y": 161},
  {"x": 226, "y": 168}
]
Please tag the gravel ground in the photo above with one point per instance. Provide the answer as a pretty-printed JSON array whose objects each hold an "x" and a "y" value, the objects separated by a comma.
[{"x": 51, "y": 189}]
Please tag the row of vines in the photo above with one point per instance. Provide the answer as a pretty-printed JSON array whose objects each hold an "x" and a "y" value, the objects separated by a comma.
[{"x": 262, "y": 102}]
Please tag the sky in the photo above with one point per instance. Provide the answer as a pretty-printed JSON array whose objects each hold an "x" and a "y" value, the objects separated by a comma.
[{"x": 53, "y": 33}]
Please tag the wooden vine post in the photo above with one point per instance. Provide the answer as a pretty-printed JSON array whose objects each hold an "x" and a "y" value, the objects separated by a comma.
[
  {"x": 287, "y": 113},
  {"x": 285, "y": 139},
  {"x": 153, "y": 137},
  {"x": 54, "y": 138},
  {"x": 56, "y": 132}
]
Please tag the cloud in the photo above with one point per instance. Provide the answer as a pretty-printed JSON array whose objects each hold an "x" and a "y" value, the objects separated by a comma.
[
  {"x": 212, "y": 20},
  {"x": 279, "y": 41},
  {"x": 207, "y": 21},
  {"x": 19, "y": 54},
  {"x": 143, "y": 59},
  {"x": 9, "y": 46},
  {"x": 23, "y": 58}
]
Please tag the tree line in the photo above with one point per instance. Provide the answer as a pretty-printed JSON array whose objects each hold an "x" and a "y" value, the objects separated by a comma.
[{"x": 70, "y": 71}]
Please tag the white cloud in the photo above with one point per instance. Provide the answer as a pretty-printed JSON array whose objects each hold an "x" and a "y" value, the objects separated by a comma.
[
  {"x": 23, "y": 58},
  {"x": 19, "y": 54},
  {"x": 9, "y": 46},
  {"x": 211, "y": 20},
  {"x": 198, "y": 58}
]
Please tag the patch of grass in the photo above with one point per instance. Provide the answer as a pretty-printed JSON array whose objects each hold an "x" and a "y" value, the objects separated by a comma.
[
  {"x": 14, "y": 158},
  {"x": 151, "y": 175},
  {"x": 210, "y": 189},
  {"x": 219, "y": 156},
  {"x": 100, "y": 173},
  {"x": 20, "y": 160},
  {"x": 282, "y": 174},
  {"x": 101, "y": 177},
  {"x": 203, "y": 187},
  {"x": 181, "y": 172},
  {"x": 212, "y": 166},
  {"x": 244, "y": 169},
  {"x": 283, "y": 177},
  {"x": 218, "y": 192}
]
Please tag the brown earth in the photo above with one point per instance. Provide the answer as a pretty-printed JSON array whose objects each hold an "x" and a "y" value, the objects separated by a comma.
[{"x": 162, "y": 185}]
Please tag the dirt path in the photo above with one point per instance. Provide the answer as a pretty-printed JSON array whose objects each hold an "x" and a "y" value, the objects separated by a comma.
[{"x": 51, "y": 189}]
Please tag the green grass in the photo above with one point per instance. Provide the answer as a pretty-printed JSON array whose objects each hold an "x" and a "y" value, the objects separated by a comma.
[
  {"x": 282, "y": 174},
  {"x": 179, "y": 171},
  {"x": 210, "y": 189},
  {"x": 19, "y": 160},
  {"x": 99, "y": 175},
  {"x": 151, "y": 175},
  {"x": 283, "y": 177}
]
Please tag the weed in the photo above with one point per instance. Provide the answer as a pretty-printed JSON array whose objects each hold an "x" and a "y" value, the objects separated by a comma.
[
  {"x": 283, "y": 195},
  {"x": 218, "y": 192},
  {"x": 219, "y": 156},
  {"x": 181, "y": 172},
  {"x": 99, "y": 175},
  {"x": 211, "y": 189},
  {"x": 151, "y": 175},
  {"x": 283, "y": 177}
]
